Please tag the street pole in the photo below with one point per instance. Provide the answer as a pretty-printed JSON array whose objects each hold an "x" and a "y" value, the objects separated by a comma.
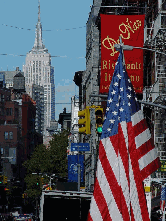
[
  {"x": 93, "y": 144},
  {"x": 50, "y": 181},
  {"x": 78, "y": 167},
  {"x": 80, "y": 208},
  {"x": 36, "y": 207}
]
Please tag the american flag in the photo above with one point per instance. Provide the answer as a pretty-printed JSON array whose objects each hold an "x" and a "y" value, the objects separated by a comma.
[{"x": 126, "y": 155}]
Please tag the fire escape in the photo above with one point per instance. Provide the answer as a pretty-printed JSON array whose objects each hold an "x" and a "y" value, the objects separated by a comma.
[{"x": 155, "y": 73}]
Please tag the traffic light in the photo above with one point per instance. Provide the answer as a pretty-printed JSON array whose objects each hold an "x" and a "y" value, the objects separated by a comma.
[
  {"x": 42, "y": 180},
  {"x": 23, "y": 195},
  {"x": 4, "y": 179},
  {"x": 99, "y": 119},
  {"x": 36, "y": 183},
  {"x": 84, "y": 121},
  {"x": 6, "y": 189},
  {"x": 1, "y": 179}
]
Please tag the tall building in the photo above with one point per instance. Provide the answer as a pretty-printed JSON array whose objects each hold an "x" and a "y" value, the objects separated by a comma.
[
  {"x": 65, "y": 120},
  {"x": 38, "y": 70},
  {"x": 38, "y": 96}
]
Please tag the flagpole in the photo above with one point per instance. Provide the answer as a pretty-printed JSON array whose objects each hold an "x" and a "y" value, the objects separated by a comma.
[{"x": 121, "y": 46}]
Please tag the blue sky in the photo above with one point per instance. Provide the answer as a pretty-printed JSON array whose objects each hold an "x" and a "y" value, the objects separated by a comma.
[{"x": 56, "y": 16}]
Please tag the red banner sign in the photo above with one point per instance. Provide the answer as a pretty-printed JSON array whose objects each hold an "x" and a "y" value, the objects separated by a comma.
[{"x": 131, "y": 29}]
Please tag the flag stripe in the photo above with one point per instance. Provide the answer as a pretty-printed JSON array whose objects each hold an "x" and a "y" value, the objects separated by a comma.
[
  {"x": 142, "y": 138},
  {"x": 101, "y": 202},
  {"x": 149, "y": 169},
  {"x": 104, "y": 185},
  {"x": 147, "y": 158},
  {"x": 111, "y": 156},
  {"x": 132, "y": 214},
  {"x": 124, "y": 166},
  {"x": 145, "y": 148},
  {"x": 125, "y": 191},
  {"x": 138, "y": 200},
  {"x": 134, "y": 195},
  {"x": 137, "y": 117},
  {"x": 133, "y": 189},
  {"x": 112, "y": 180},
  {"x": 140, "y": 127},
  {"x": 89, "y": 217},
  {"x": 94, "y": 211}
]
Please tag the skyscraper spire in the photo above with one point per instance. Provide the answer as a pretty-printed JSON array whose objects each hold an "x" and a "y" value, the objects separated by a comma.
[
  {"x": 38, "y": 10},
  {"x": 38, "y": 45}
]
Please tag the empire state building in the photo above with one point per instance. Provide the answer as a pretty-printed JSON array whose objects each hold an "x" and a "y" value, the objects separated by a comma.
[{"x": 38, "y": 71}]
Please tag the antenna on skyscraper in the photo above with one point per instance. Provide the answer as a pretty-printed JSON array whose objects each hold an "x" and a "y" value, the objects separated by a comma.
[{"x": 38, "y": 10}]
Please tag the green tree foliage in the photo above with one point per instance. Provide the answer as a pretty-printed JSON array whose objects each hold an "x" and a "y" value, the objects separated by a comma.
[
  {"x": 39, "y": 161},
  {"x": 58, "y": 153},
  {"x": 46, "y": 161}
]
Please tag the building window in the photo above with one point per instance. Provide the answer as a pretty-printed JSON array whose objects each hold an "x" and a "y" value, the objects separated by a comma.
[
  {"x": 2, "y": 112},
  {"x": 8, "y": 96},
  {"x": 9, "y": 111},
  {"x": 2, "y": 98},
  {"x": 10, "y": 135},
  {"x": 6, "y": 135},
  {"x": 163, "y": 5}
]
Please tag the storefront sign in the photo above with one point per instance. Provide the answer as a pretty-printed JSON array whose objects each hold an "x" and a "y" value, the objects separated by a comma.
[{"x": 131, "y": 29}]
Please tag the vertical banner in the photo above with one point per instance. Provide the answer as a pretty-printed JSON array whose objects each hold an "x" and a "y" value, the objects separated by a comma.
[
  {"x": 73, "y": 168},
  {"x": 131, "y": 29}
]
